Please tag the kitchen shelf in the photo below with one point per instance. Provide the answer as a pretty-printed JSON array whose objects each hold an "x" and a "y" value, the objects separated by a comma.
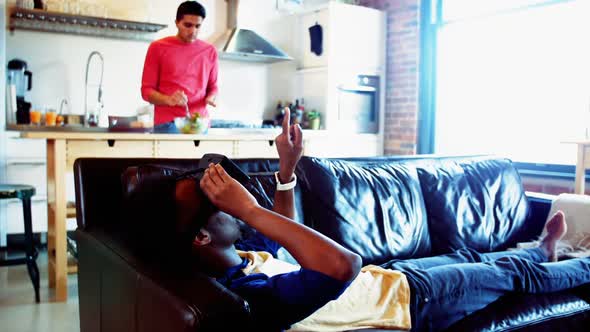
[
  {"x": 40, "y": 20},
  {"x": 26, "y": 162}
]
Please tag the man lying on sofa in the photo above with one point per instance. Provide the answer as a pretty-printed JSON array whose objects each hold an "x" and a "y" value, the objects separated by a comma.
[{"x": 328, "y": 291}]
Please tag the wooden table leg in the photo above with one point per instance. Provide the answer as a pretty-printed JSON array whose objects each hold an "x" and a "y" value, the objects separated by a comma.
[
  {"x": 580, "y": 170},
  {"x": 56, "y": 213}
]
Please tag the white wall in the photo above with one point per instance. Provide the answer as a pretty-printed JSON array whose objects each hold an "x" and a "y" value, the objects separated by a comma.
[
  {"x": 279, "y": 78},
  {"x": 2, "y": 119},
  {"x": 246, "y": 90},
  {"x": 58, "y": 63}
]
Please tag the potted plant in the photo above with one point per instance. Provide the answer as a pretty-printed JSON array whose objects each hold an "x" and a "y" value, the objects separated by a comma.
[{"x": 313, "y": 118}]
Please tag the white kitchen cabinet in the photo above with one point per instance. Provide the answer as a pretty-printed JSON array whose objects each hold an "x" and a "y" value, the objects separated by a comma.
[
  {"x": 194, "y": 149},
  {"x": 15, "y": 218},
  {"x": 2, "y": 118},
  {"x": 309, "y": 59},
  {"x": 24, "y": 164},
  {"x": 107, "y": 149},
  {"x": 313, "y": 86},
  {"x": 24, "y": 148},
  {"x": 32, "y": 173},
  {"x": 257, "y": 149},
  {"x": 357, "y": 37},
  {"x": 353, "y": 37},
  {"x": 353, "y": 59}
]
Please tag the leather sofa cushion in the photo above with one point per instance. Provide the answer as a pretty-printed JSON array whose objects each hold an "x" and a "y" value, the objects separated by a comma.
[
  {"x": 477, "y": 203},
  {"x": 530, "y": 312},
  {"x": 375, "y": 210}
]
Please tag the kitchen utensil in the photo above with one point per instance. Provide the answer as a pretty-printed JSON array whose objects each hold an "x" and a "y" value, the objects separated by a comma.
[
  {"x": 128, "y": 124},
  {"x": 20, "y": 77},
  {"x": 121, "y": 121},
  {"x": 188, "y": 113},
  {"x": 22, "y": 80}
]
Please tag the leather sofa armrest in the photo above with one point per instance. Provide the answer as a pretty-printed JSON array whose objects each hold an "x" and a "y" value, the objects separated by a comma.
[
  {"x": 117, "y": 292},
  {"x": 540, "y": 197},
  {"x": 539, "y": 207}
]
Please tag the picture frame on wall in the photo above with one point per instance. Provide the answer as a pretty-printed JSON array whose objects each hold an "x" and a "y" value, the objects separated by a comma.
[{"x": 289, "y": 6}]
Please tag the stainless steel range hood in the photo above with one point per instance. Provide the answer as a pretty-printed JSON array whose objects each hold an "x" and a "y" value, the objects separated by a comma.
[{"x": 243, "y": 44}]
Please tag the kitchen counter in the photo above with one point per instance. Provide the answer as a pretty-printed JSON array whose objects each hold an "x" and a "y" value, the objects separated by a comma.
[
  {"x": 80, "y": 132},
  {"x": 216, "y": 134}
]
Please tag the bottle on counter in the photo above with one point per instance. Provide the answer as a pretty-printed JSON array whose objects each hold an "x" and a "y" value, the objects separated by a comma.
[
  {"x": 292, "y": 109},
  {"x": 94, "y": 115},
  {"x": 278, "y": 120},
  {"x": 297, "y": 113}
]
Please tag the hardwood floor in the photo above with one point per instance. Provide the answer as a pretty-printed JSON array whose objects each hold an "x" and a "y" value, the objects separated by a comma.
[{"x": 20, "y": 313}]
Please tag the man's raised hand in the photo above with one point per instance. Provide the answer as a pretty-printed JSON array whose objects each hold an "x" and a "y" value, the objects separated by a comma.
[
  {"x": 226, "y": 193},
  {"x": 289, "y": 146}
]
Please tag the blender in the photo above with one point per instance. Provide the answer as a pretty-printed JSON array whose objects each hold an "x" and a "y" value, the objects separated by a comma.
[{"x": 19, "y": 81}]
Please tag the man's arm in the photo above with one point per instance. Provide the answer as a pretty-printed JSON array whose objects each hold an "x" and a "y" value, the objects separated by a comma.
[
  {"x": 212, "y": 89},
  {"x": 290, "y": 148},
  {"x": 312, "y": 250},
  {"x": 150, "y": 76},
  {"x": 150, "y": 79},
  {"x": 178, "y": 98}
]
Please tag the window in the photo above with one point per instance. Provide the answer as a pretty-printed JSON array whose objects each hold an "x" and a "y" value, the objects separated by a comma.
[{"x": 513, "y": 78}]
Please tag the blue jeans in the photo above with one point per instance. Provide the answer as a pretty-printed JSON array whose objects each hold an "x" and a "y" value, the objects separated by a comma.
[
  {"x": 167, "y": 128},
  {"x": 449, "y": 287}
]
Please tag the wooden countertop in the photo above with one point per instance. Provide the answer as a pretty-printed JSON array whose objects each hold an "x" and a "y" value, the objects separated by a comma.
[
  {"x": 584, "y": 141},
  {"x": 214, "y": 134}
]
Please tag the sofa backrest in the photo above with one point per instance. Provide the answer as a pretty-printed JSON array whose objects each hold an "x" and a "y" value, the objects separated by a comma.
[
  {"x": 381, "y": 208},
  {"x": 99, "y": 190},
  {"x": 398, "y": 207},
  {"x": 476, "y": 202},
  {"x": 372, "y": 208}
]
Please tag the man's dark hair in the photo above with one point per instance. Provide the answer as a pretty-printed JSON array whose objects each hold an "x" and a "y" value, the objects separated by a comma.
[
  {"x": 190, "y": 8},
  {"x": 157, "y": 227}
]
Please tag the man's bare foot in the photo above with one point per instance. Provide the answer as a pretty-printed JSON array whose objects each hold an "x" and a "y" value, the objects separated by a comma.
[{"x": 555, "y": 229}]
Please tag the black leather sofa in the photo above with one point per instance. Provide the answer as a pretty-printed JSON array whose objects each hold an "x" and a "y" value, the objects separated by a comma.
[{"x": 382, "y": 208}]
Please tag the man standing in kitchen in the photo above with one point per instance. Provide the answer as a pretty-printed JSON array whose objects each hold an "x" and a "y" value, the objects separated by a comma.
[{"x": 180, "y": 72}]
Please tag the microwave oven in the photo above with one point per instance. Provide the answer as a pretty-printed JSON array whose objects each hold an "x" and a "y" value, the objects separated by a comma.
[{"x": 358, "y": 104}]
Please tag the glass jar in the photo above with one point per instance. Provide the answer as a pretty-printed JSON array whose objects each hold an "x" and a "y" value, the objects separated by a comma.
[{"x": 93, "y": 116}]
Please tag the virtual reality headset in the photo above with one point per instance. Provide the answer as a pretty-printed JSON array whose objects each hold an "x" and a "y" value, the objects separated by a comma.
[
  {"x": 228, "y": 165},
  {"x": 138, "y": 178}
]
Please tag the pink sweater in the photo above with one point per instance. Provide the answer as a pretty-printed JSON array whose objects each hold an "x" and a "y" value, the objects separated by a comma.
[{"x": 172, "y": 65}]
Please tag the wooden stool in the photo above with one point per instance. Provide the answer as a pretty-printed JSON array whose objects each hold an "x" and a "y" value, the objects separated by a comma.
[{"x": 24, "y": 193}]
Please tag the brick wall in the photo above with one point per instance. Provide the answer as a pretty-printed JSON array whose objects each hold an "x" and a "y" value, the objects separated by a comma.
[
  {"x": 402, "y": 74},
  {"x": 551, "y": 186}
]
